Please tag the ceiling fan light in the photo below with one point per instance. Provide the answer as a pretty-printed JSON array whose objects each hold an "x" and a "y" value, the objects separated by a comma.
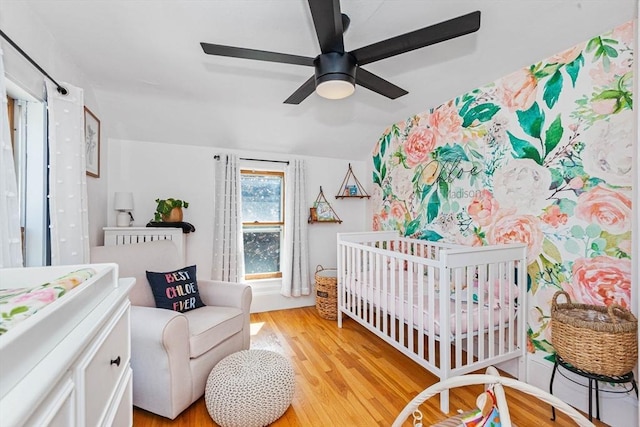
[{"x": 335, "y": 89}]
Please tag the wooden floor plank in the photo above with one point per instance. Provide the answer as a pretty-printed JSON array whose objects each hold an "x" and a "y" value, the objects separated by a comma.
[{"x": 349, "y": 377}]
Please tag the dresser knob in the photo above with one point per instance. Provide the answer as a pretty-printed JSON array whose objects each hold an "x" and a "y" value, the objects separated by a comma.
[{"x": 116, "y": 361}]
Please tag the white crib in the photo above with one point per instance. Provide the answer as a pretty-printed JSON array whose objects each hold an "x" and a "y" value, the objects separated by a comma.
[{"x": 452, "y": 309}]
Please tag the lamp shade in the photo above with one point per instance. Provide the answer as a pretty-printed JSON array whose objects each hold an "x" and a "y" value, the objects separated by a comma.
[{"x": 123, "y": 201}]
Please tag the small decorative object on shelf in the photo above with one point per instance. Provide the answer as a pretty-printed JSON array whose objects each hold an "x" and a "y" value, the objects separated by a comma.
[
  {"x": 351, "y": 187},
  {"x": 322, "y": 211},
  {"x": 169, "y": 210}
]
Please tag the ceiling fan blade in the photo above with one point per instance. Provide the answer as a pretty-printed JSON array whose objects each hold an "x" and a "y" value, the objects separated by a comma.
[
  {"x": 328, "y": 22},
  {"x": 433, "y": 34},
  {"x": 302, "y": 92},
  {"x": 260, "y": 55},
  {"x": 372, "y": 82}
]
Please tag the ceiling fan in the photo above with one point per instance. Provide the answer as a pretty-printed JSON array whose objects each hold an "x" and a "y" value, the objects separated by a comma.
[{"x": 336, "y": 71}]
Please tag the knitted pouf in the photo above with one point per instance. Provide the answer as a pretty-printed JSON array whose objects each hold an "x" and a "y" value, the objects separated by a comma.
[{"x": 250, "y": 388}]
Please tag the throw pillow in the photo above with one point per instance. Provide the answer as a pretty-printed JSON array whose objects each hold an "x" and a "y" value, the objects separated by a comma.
[{"x": 175, "y": 290}]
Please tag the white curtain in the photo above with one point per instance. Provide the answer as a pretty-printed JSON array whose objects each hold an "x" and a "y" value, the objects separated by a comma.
[
  {"x": 10, "y": 241},
  {"x": 69, "y": 224},
  {"x": 228, "y": 251},
  {"x": 295, "y": 271}
]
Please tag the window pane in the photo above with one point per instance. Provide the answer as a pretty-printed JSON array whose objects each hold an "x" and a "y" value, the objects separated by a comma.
[
  {"x": 261, "y": 198},
  {"x": 261, "y": 250}
]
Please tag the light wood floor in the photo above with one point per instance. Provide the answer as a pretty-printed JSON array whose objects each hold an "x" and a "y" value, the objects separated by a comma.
[{"x": 349, "y": 377}]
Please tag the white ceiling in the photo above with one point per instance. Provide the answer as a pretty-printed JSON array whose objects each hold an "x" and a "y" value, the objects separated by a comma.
[{"x": 152, "y": 81}]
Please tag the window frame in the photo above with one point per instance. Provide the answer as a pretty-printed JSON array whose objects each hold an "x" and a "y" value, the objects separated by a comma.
[{"x": 257, "y": 225}]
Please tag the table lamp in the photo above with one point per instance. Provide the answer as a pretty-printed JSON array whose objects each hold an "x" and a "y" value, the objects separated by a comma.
[{"x": 123, "y": 203}]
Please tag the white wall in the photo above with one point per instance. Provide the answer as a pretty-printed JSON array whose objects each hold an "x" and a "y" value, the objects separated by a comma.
[{"x": 153, "y": 170}]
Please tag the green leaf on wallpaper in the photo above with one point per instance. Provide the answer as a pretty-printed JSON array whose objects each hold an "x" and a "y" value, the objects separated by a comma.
[
  {"x": 430, "y": 235},
  {"x": 553, "y": 135},
  {"x": 552, "y": 89},
  {"x": 443, "y": 187},
  {"x": 577, "y": 232},
  {"x": 531, "y": 120},
  {"x": 468, "y": 100},
  {"x": 592, "y": 44},
  {"x": 476, "y": 154},
  {"x": 551, "y": 251},
  {"x": 567, "y": 206},
  {"x": 608, "y": 94},
  {"x": 482, "y": 113},
  {"x": 556, "y": 178},
  {"x": 533, "y": 271},
  {"x": 572, "y": 246},
  {"x": 376, "y": 178},
  {"x": 451, "y": 153},
  {"x": 412, "y": 227},
  {"x": 599, "y": 245},
  {"x": 376, "y": 162},
  {"x": 433, "y": 207},
  {"x": 573, "y": 69},
  {"x": 543, "y": 345},
  {"x": 610, "y": 52},
  {"x": 523, "y": 149},
  {"x": 593, "y": 230}
]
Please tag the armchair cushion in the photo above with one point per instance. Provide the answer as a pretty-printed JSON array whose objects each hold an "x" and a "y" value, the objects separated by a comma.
[
  {"x": 175, "y": 290},
  {"x": 211, "y": 325}
]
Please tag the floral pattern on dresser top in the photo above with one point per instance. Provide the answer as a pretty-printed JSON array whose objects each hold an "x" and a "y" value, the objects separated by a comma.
[
  {"x": 542, "y": 156},
  {"x": 18, "y": 304}
]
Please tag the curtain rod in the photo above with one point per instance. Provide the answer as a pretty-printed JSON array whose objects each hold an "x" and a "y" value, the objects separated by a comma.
[
  {"x": 60, "y": 89},
  {"x": 217, "y": 157}
]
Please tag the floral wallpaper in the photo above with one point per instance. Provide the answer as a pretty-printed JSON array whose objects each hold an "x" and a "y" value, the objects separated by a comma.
[{"x": 541, "y": 156}]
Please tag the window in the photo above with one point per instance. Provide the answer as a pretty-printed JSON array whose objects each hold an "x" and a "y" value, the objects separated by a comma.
[{"x": 262, "y": 222}]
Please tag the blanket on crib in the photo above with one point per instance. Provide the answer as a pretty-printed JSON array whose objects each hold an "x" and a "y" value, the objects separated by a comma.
[{"x": 17, "y": 304}]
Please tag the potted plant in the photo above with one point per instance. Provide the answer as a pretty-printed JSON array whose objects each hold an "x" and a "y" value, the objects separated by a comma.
[{"x": 169, "y": 210}]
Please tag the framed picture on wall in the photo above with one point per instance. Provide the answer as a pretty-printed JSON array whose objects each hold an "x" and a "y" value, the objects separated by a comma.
[{"x": 92, "y": 143}]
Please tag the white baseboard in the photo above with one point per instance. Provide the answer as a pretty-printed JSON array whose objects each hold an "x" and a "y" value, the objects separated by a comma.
[
  {"x": 617, "y": 410},
  {"x": 267, "y": 297}
]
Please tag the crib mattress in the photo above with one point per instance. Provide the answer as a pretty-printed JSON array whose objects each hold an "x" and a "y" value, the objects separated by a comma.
[{"x": 473, "y": 316}]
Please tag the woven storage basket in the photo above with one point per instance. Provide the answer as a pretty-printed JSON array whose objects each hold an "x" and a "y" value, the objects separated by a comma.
[
  {"x": 596, "y": 339},
  {"x": 327, "y": 292}
]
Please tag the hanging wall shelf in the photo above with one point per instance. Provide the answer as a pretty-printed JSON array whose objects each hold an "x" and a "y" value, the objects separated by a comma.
[
  {"x": 351, "y": 187},
  {"x": 322, "y": 211}
]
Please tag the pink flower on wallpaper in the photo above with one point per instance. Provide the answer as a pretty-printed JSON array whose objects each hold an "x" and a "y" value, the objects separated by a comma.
[
  {"x": 576, "y": 183},
  {"x": 602, "y": 280},
  {"x": 624, "y": 32},
  {"x": 398, "y": 211},
  {"x": 420, "y": 142},
  {"x": 518, "y": 90},
  {"x": 554, "y": 216},
  {"x": 608, "y": 208},
  {"x": 568, "y": 55},
  {"x": 604, "y": 106},
  {"x": 45, "y": 295},
  {"x": 605, "y": 77},
  {"x": 510, "y": 228},
  {"x": 470, "y": 240},
  {"x": 483, "y": 208},
  {"x": 377, "y": 223},
  {"x": 447, "y": 123}
]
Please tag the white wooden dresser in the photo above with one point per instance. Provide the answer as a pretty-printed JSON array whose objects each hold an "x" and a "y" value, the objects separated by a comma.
[{"x": 68, "y": 364}]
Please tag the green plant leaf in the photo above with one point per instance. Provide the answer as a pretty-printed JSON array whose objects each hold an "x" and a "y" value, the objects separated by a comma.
[
  {"x": 552, "y": 89},
  {"x": 572, "y": 246},
  {"x": 523, "y": 149},
  {"x": 577, "y": 232},
  {"x": 531, "y": 120},
  {"x": 451, "y": 153},
  {"x": 431, "y": 236},
  {"x": 482, "y": 113},
  {"x": 433, "y": 207},
  {"x": 573, "y": 69},
  {"x": 593, "y": 230},
  {"x": 412, "y": 227},
  {"x": 551, "y": 250},
  {"x": 553, "y": 135}
]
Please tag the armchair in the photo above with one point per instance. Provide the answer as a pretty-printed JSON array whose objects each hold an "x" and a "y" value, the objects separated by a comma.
[{"x": 172, "y": 353}]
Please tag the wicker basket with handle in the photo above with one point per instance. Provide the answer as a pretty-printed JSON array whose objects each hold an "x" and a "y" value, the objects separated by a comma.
[
  {"x": 327, "y": 292},
  {"x": 596, "y": 339}
]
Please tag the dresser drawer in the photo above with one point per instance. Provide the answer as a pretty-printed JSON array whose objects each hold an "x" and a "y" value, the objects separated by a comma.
[{"x": 105, "y": 364}]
